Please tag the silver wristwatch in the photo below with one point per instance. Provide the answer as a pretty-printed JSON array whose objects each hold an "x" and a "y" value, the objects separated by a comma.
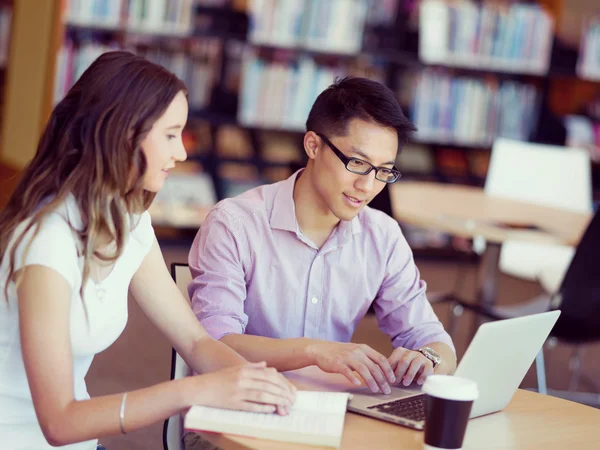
[{"x": 431, "y": 355}]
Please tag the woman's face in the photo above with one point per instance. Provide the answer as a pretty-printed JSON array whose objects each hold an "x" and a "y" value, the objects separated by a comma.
[{"x": 163, "y": 145}]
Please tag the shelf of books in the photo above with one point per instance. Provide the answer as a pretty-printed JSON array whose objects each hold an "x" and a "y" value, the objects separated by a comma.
[
  {"x": 470, "y": 111},
  {"x": 514, "y": 37},
  {"x": 5, "y": 21},
  {"x": 588, "y": 64},
  {"x": 5, "y": 16},
  {"x": 465, "y": 72}
]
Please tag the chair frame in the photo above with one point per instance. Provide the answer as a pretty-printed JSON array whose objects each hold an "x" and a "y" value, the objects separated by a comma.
[{"x": 173, "y": 420}]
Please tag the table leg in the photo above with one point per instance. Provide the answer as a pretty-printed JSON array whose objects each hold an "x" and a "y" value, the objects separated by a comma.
[{"x": 487, "y": 289}]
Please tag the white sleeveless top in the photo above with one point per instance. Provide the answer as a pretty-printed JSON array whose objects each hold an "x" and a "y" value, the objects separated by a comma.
[{"x": 106, "y": 302}]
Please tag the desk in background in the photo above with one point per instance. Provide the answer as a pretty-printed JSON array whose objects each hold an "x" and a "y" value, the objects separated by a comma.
[{"x": 467, "y": 212}]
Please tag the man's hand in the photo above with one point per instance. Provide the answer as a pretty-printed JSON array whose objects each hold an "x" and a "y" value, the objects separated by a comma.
[
  {"x": 409, "y": 365},
  {"x": 347, "y": 358}
]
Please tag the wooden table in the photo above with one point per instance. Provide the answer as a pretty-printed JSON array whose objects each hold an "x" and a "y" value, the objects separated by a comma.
[
  {"x": 467, "y": 211},
  {"x": 530, "y": 421}
]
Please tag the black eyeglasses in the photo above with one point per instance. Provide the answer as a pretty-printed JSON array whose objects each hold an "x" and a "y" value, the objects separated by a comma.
[{"x": 362, "y": 167}]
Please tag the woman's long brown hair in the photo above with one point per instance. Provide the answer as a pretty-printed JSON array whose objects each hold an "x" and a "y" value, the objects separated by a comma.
[{"x": 91, "y": 148}]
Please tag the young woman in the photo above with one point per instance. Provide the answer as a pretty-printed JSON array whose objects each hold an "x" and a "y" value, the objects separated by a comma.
[{"x": 75, "y": 238}]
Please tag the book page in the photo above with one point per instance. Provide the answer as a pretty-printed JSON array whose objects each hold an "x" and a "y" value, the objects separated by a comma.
[
  {"x": 321, "y": 402},
  {"x": 316, "y": 413}
]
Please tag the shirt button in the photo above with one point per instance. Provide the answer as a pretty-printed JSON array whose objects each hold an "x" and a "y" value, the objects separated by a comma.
[{"x": 314, "y": 300}]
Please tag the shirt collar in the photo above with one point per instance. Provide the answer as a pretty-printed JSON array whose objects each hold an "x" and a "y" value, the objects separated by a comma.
[
  {"x": 71, "y": 212},
  {"x": 283, "y": 214},
  {"x": 68, "y": 209}
]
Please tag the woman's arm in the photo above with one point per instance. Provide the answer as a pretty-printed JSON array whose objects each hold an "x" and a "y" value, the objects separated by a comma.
[
  {"x": 44, "y": 305},
  {"x": 162, "y": 301},
  {"x": 44, "y": 309}
]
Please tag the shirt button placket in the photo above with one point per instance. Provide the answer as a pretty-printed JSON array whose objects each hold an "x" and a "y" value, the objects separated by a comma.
[{"x": 313, "y": 300}]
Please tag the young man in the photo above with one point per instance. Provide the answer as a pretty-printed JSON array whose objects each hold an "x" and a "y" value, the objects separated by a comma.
[{"x": 284, "y": 272}]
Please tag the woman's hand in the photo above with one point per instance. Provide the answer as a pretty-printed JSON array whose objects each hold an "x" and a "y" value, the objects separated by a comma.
[{"x": 250, "y": 387}]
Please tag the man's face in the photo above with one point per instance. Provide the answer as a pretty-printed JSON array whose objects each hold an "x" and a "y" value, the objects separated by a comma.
[{"x": 345, "y": 193}]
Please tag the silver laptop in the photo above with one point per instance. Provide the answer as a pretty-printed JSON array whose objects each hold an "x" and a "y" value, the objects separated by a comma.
[{"x": 497, "y": 360}]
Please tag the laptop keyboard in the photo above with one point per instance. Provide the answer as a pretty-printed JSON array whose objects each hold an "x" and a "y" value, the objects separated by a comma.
[{"x": 412, "y": 408}]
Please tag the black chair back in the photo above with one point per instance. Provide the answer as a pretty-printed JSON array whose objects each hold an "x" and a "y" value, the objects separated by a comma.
[{"x": 579, "y": 295}]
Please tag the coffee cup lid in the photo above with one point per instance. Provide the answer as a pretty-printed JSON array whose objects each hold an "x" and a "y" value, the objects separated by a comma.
[{"x": 451, "y": 387}]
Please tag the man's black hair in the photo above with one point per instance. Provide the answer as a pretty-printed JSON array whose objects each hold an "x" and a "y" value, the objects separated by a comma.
[{"x": 358, "y": 98}]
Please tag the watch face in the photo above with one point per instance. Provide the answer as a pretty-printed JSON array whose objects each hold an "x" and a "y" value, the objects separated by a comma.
[
  {"x": 434, "y": 354},
  {"x": 431, "y": 354}
]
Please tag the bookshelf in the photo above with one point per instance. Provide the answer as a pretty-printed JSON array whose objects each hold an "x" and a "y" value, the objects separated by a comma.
[
  {"x": 7, "y": 174},
  {"x": 588, "y": 63},
  {"x": 5, "y": 21},
  {"x": 514, "y": 37},
  {"x": 238, "y": 136},
  {"x": 510, "y": 72}
]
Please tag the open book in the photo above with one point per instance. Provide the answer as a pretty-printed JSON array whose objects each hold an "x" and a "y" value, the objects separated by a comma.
[{"x": 317, "y": 418}]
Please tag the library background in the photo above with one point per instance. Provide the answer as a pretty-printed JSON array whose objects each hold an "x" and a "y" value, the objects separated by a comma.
[
  {"x": 469, "y": 74},
  {"x": 465, "y": 72}
]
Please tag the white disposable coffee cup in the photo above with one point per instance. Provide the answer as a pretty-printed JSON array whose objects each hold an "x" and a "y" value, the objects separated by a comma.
[{"x": 448, "y": 403}]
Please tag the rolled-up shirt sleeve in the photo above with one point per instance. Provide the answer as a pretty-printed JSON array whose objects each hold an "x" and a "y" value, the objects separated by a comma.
[
  {"x": 218, "y": 288},
  {"x": 402, "y": 308}
]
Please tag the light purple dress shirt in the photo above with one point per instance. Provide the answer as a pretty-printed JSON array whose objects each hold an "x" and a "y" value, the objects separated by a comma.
[{"x": 256, "y": 273}]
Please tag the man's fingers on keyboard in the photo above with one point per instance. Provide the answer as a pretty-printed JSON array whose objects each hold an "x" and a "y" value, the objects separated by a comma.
[
  {"x": 383, "y": 364},
  {"x": 403, "y": 366},
  {"x": 378, "y": 376},
  {"x": 349, "y": 374},
  {"x": 415, "y": 365},
  {"x": 363, "y": 371},
  {"x": 424, "y": 373}
]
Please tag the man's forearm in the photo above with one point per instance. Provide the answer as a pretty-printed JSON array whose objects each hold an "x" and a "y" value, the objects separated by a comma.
[
  {"x": 448, "y": 364},
  {"x": 283, "y": 354}
]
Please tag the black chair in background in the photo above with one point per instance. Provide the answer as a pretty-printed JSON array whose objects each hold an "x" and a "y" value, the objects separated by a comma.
[{"x": 578, "y": 298}]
